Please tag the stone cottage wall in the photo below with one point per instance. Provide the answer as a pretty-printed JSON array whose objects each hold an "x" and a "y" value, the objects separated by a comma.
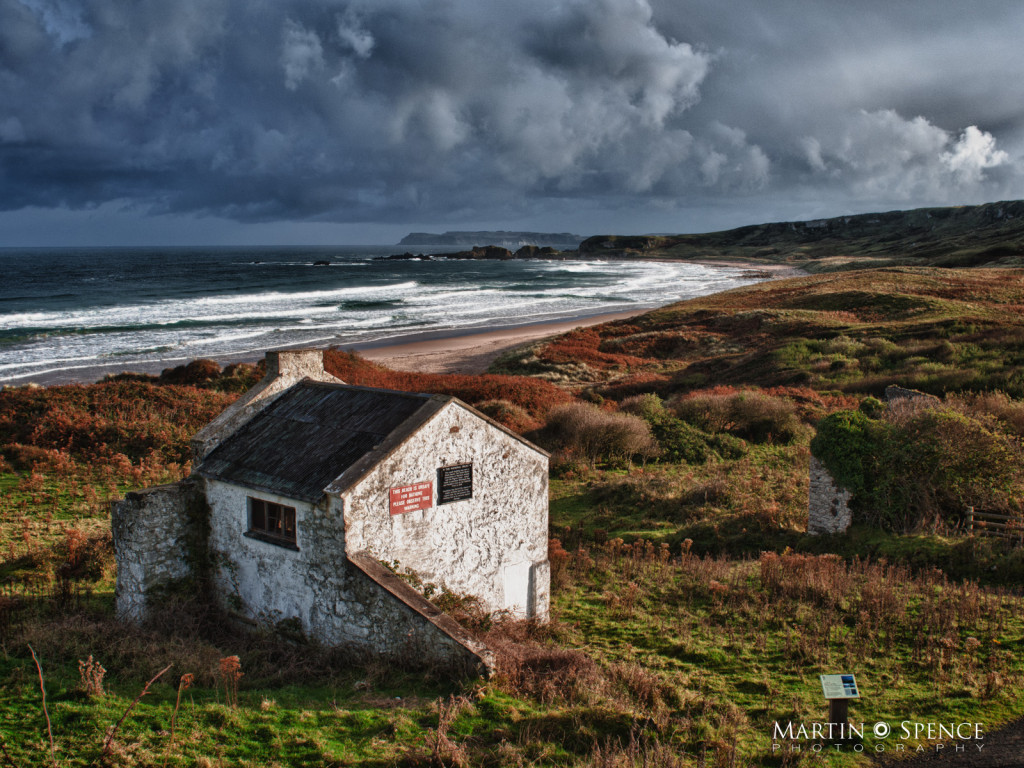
[
  {"x": 828, "y": 504},
  {"x": 358, "y": 605},
  {"x": 396, "y": 621},
  {"x": 261, "y": 580},
  {"x": 493, "y": 545},
  {"x": 156, "y": 533}
]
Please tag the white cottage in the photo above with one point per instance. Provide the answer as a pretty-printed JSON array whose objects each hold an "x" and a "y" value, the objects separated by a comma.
[{"x": 306, "y": 484}]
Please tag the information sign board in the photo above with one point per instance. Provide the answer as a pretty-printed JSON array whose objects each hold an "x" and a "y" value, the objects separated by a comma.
[
  {"x": 409, "y": 498},
  {"x": 839, "y": 687},
  {"x": 454, "y": 483}
]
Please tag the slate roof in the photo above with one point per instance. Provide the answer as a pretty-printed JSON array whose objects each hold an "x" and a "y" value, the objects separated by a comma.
[{"x": 312, "y": 433}]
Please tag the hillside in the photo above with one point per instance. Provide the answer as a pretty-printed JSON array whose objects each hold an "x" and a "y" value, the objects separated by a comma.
[
  {"x": 933, "y": 329},
  {"x": 965, "y": 236},
  {"x": 512, "y": 240}
]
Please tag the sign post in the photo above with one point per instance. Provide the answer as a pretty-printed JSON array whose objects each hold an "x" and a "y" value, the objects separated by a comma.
[{"x": 839, "y": 689}]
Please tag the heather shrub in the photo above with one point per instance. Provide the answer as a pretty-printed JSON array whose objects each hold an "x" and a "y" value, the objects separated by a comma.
[
  {"x": 192, "y": 373},
  {"x": 582, "y": 431},
  {"x": 238, "y": 377},
  {"x": 998, "y": 405},
  {"x": 95, "y": 422}
]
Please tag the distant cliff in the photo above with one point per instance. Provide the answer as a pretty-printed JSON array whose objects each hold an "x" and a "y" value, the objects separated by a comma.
[
  {"x": 510, "y": 240},
  {"x": 964, "y": 236}
]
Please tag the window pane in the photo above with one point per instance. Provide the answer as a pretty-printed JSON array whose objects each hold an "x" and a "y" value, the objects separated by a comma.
[
  {"x": 272, "y": 518},
  {"x": 259, "y": 518}
]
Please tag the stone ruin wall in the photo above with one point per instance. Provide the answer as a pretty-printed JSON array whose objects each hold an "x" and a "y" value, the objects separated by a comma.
[
  {"x": 154, "y": 533},
  {"x": 828, "y": 508}
]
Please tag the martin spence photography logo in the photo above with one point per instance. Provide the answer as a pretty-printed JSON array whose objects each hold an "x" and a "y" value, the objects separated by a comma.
[{"x": 911, "y": 736}]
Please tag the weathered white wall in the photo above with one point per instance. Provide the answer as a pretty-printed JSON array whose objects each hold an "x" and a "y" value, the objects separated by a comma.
[
  {"x": 151, "y": 530},
  {"x": 336, "y": 603},
  {"x": 828, "y": 507},
  {"x": 259, "y": 580},
  {"x": 493, "y": 546}
]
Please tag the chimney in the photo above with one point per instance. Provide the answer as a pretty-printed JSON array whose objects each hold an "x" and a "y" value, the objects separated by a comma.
[
  {"x": 285, "y": 367},
  {"x": 297, "y": 363}
]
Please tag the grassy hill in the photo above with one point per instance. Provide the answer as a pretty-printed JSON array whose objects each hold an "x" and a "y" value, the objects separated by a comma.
[
  {"x": 933, "y": 329},
  {"x": 965, "y": 236}
]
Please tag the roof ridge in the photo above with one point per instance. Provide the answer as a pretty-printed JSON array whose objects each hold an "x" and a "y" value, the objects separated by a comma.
[{"x": 366, "y": 388}]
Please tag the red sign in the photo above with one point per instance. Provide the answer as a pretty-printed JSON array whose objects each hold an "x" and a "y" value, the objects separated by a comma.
[{"x": 409, "y": 498}]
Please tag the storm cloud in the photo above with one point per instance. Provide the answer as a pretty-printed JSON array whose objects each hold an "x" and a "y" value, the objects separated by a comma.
[{"x": 601, "y": 114}]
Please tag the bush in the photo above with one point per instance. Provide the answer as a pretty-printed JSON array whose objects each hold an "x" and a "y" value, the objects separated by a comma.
[
  {"x": 648, "y": 407},
  {"x": 998, "y": 405},
  {"x": 921, "y": 465},
  {"x": 679, "y": 441},
  {"x": 727, "y": 446},
  {"x": 581, "y": 431},
  {"x": 752, "y": 415},
  {"x": 871, "y": 407},
  {"x": 195, "y": 372}
]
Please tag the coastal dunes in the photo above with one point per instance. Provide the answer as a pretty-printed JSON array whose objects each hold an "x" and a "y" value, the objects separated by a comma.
[
  {"x": 473, "y": 353},
  {"x": 928, "y": 328}
]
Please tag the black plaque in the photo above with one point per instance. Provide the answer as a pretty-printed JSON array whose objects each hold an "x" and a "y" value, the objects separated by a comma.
[{"x": 454, "y": 483}]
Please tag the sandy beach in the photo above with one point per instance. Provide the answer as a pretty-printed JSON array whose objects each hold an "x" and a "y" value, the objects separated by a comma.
[{"x": 474, "y": 352}]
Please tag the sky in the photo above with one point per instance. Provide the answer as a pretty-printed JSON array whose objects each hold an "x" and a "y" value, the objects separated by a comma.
[{"x": 356, "y": 121}]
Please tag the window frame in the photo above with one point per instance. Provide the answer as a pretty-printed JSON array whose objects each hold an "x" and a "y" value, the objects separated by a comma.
[{"x": 283, "y": 532}]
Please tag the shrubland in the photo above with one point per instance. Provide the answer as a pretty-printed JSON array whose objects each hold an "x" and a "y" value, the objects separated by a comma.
[{"x": 691, "y": 610}]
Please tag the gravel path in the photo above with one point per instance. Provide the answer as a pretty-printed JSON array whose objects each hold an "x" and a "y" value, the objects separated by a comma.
[{"x": 1003, "y": 749}]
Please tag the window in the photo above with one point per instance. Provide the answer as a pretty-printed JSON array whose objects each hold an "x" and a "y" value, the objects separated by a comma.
[{"x": 272, "y": 522}]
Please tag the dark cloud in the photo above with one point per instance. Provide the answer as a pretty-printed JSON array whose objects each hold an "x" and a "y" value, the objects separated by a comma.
[{"x": 627, "y": 113}]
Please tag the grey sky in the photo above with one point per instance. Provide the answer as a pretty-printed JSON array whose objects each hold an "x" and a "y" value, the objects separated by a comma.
[{"x": 221, "y": 121}]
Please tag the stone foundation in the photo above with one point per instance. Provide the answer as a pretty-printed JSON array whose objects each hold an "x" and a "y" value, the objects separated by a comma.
[{"x": 828, "y": 508}]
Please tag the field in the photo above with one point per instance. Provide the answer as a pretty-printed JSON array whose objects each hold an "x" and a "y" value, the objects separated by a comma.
[{"x": 692, "y": 612}]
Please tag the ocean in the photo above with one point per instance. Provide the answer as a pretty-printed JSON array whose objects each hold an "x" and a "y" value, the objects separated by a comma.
[{"x": 76, "y": 313}]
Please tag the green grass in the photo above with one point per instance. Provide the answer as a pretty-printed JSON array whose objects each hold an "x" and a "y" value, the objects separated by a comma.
[{"x": 748, "y": 655}]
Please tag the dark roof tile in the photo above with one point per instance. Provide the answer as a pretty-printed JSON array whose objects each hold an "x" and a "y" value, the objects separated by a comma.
[{"x": 309, "y": 435}]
